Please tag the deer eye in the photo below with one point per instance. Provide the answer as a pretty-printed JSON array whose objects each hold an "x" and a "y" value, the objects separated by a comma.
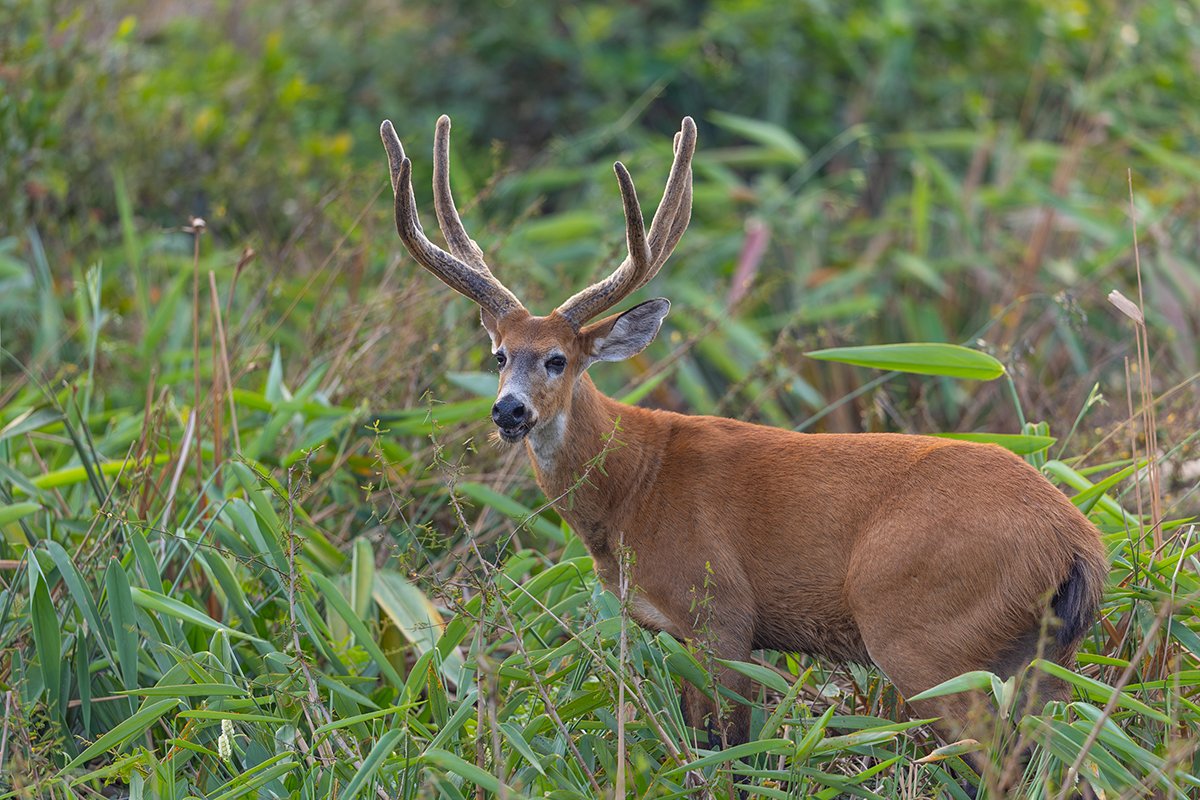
[
  {"x": 556, "y": 364},
  {"x": 501, "y": 359}
]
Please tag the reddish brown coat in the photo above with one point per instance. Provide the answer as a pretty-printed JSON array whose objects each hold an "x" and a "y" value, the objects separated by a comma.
[{"x": 929, "y": 557}]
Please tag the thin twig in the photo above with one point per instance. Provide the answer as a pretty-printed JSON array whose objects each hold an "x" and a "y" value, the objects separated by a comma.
[
  {"x": 188, "y": 432},
  {"x": 314, "y": 704},
  {"x": 237, "y": 440},
  {"x": 547, "y": 701},
  {"x": 196, "y": 227}
]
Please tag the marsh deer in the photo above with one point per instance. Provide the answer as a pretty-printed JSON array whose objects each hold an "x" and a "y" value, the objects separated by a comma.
[{"x": 927, "y": 557}]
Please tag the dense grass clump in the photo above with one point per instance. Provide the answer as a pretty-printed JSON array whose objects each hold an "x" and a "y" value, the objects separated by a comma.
[{"x": 253, "y": 539}]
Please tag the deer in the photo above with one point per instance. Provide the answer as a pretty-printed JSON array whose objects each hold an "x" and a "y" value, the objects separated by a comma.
[{"x": 924, "y": 556}]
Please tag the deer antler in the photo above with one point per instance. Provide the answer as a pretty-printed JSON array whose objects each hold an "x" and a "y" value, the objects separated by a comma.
[
  {"x": 473, "y": 278},
  {"x": 647, "y": 253}
]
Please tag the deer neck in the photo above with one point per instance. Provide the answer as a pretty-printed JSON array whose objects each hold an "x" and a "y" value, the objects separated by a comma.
[{"x": 594, "y": 461}]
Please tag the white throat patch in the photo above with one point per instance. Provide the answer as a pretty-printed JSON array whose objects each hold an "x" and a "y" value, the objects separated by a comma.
[{"x": 546, "y": 438}]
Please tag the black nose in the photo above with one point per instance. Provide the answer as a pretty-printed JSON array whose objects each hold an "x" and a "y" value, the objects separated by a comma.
[{"x": 509, "y": 412}]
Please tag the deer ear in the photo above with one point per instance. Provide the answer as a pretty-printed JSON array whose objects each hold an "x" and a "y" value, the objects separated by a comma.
[
  {"x": 623, "y": 336},
  {"x": 489, "y": 324}
]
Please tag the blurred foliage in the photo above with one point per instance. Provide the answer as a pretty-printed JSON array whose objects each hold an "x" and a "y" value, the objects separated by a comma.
[
  {"x": 868, "y": 173},
  {"x": 922, "y": 164}
]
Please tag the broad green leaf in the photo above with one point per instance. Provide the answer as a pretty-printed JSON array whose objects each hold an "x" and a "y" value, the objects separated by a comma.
[
  {"x": 1086, "y": 500},
  {"x": 1066, "y": 742},
  {"x": 456, "y": 766},
  {"x": 763, "y": 133},
  {"x": 483, "y": 384},
  {"x": 1112, "y": 735},
  {"x": 416, "y": 616},
  {"x": 346, "y": 722},
  {"x": 146, "y": 562},
  {"x": 189, "y": 690},
  {"x": 979, "y": 680},
  {"x": 69, "y": 476},
  {"x": 773, "y": 723},
  {"x": 16, "y": 511},
  {"x": 1104, "y": 503},
  {"x": 47, "y": 641},
  {"x": 362, "y": 576},
  {"x": 683, "y": 663},
  {"x": 233, "y": 716},
  {"x": 450, "y": 726},
  {"x": 79, "y": 591},
  {"x": 123, "y": 623},
  {"x": 813, "y": 736},
  {"x": 757, "y": 672},
  {"x": 153, "y": 601},
  {"x": 1017, "y": 443},
  {"x": 262, "y": 507},
  {"x": 274, "y": 390},
  {"x": 837, "y": 744},
  {"x": 779, "y": 746},
  {"x": 511, "y": 509},
  {"x": 379, "y": 752},
  {"x": 1097, "y": 691},
  {"x": 334, "y": 599},
  {"x": 514, "y": 736},
  {"x": 31, "y": 420},
  {"x": 927, "y": 358}
]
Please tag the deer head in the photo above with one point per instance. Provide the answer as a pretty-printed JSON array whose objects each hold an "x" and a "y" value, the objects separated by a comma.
[{"x": 541, "y": 359}]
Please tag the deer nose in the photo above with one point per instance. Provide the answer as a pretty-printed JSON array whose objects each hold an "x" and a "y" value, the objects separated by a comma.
[{"x": 509, "y": 412}]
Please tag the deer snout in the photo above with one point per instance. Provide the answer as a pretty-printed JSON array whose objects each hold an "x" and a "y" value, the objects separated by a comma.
[{"x": 510, "y": 412}]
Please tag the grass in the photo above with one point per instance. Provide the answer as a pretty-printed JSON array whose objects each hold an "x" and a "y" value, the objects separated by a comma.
[
  {"x": 298, "y": 616},
  {"x": 253, "y": 541}
]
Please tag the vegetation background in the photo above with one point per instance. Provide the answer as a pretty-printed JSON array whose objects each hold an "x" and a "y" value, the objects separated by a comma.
[{"x": 253, "y": 539}]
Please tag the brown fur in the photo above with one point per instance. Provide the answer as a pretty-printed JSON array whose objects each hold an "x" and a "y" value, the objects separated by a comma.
[{"x": 928, "y": 557}]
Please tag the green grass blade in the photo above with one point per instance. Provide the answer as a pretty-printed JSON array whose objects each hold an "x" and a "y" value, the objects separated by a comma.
[
  {"x": 979, "y": 680},
  {"x": 1097, "y": 691},
  {"x": 925, "y": 358},
  {"x": 250, "y": 781},
  {"x": 140, "y": 722},
  {"x": 774, "y": 746},
  {"x": 514, "y": 736},
  {"x": 511, "y": 509},
  {"x": 333, "y": 597},
  {"x": 757, "y": 672},
  {"x": 371, "y": 764},
  {"x": 1017, "y": 443},
  {"x": 153, "y": 601},
  {"x": 47, "y": 641},
  {"x": 456, "y": 766},
  {"x": 416, "y": 616},
  {"x": 16, "y": 511}
]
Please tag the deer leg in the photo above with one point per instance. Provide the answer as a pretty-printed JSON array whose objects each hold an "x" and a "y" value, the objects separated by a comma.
[
  {"x": 914, "y": 663},
  {"x": 725, "y": 722}
]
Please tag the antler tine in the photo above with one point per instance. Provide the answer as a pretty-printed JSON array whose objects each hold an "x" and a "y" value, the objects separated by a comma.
[
  {"x": 608, "y": 292},
  {"x": 639, "y": 258},
  {"x": 478, "y": 284},
  {"x": 644, "y": 261},
  {"x": 679, "y": 220},
  {"x": 461, "y": 244},
  {"x": 676, "y": 204}
]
